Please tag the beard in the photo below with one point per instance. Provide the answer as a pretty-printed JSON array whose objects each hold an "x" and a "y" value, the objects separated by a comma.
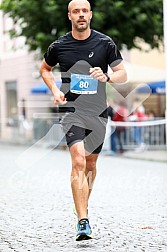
[{"x": 81, "y": 28}]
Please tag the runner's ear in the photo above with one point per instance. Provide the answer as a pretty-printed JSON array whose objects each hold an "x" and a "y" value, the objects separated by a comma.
[{"x": 69, "y": 17}]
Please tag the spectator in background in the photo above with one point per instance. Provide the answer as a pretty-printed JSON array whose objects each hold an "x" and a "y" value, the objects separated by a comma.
[
  {"x": 121, "y": 115},
  {"x": 138, "y": 116},
  {"x": 151, "y": 129},
  {"x": 151, "y": 115},
  {"x": 111, "y": 113}
]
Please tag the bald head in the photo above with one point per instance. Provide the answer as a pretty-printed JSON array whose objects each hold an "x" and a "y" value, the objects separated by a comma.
[{"x": 73, "y": 3}]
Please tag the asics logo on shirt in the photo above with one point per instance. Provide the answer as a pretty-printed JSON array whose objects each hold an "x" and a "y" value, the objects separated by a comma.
[{"x": 91, "y": 54}]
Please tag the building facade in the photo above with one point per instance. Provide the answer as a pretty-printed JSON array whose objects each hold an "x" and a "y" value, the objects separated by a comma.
[{"x": 19, "y": 73}]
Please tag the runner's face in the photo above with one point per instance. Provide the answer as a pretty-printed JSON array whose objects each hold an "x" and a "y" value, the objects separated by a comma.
[{"x": 80, "y": 16}]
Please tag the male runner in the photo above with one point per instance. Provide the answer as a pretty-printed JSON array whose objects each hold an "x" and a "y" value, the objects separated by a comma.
[{"x": 83, "y": 56}]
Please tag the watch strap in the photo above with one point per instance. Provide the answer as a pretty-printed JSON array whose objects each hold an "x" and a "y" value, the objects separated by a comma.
[{"x": 108, "y": 77}]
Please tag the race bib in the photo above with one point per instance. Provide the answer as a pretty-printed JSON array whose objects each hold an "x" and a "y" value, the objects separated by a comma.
[{"x": 83, "y": 84}]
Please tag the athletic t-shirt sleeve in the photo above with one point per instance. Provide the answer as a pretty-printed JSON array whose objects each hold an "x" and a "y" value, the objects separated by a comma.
[
  {"x": 113, "y": 54},
  {"x": 51, "y": 54}
]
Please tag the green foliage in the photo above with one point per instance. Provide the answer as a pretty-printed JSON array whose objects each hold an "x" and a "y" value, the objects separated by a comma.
[
  {"x": 126, "y": 21},
  {"x": 43, "y": 21}
]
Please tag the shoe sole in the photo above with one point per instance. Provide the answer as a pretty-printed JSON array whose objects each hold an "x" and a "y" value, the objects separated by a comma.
[{"x": 83, "y": 237}]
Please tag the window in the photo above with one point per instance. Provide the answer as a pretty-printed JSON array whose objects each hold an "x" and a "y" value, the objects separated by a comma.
[{"x": 11, "y": 102}]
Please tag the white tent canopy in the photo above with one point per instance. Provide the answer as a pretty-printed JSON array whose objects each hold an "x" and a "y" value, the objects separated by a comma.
[
  {"x": 140, "y": 73},
  {"x": 143, "y": 74}
]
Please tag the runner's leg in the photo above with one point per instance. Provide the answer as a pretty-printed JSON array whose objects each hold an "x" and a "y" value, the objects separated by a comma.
[
  {"x": 90, "y": 171},
  {"x": 79, "y": 184}
]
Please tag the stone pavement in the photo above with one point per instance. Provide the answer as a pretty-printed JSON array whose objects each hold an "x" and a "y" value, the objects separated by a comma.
[{"x": 128, "y": 207}]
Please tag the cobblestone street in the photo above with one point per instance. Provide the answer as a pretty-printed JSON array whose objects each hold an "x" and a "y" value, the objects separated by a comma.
[{"x": 128, "y": 206}]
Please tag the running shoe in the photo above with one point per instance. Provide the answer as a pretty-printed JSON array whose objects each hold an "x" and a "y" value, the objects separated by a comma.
[
  {"x": 76, "y": 215},
  {"x": 84, "y": 230}
]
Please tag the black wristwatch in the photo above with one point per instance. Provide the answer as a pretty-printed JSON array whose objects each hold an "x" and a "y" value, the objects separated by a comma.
[{"x": 108, "y": 77}]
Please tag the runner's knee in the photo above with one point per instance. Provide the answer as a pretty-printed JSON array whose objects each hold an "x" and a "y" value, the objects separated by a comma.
[
  {"x": 91, "y": 165},
  {"x": 79, "y": 163}
]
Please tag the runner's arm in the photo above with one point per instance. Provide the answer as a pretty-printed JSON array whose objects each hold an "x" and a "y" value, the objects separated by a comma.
[
  {"x": 119, "y": 74},
  {"x": 47, "y": 75}
]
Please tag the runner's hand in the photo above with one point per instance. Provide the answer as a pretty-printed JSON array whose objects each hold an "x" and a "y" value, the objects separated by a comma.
[
  {"x": 97, "y": 73},
  {"x": 59, "y": 98}
]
